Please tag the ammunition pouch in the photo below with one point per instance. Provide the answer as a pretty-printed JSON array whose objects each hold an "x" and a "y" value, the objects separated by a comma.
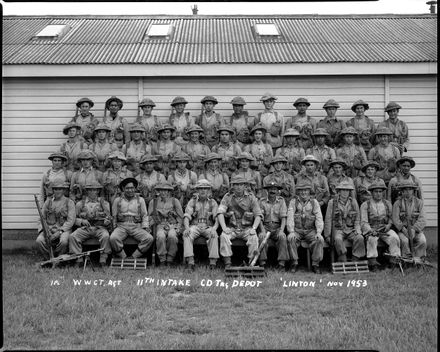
[
  {"x": 129, "y": 218},
  {"x": 247, "y": 219},
  {"x": 275, "y": 129}
]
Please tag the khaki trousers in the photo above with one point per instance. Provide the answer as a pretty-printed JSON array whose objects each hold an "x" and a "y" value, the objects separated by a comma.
[
  {"x": 84, "y": 233},
  {"x": 226, "y": 244},
  {"x": 315, "y": 241},
  {"x": 196, "y": 231}
]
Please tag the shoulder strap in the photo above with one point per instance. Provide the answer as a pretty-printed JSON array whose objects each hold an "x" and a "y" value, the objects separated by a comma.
[
  {"x": 47, "y": 174},
  {"x": 276, "y": 115},
  {"x": 259, "y": 116},
  {"x": 139, "y": 205},
  {"x": 157, "y": 176}
]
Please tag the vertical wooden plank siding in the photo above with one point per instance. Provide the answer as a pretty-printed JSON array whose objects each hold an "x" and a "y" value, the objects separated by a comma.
[{"x": 35, "y": 111}]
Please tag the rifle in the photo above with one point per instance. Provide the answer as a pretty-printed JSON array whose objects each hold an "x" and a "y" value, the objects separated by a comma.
[
  {"x": 68, "y": 257},
  {"x": 256, "y": 253},
  {"x": 45, "y": 228},
  {"x": 332, "y": 233},
  {"x": 414, "y": 261},
  {"x": 156, "y": 221}
]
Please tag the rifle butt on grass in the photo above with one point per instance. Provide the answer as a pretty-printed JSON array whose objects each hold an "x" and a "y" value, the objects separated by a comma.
[{"x": 45, "y": 228}]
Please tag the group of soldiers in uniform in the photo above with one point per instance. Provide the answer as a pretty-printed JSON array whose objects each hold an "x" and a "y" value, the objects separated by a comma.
[{"x": 236, "y": 177}]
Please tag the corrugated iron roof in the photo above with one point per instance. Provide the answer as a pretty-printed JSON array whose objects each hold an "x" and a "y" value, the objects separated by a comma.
[{"x": 222, "y": 39}]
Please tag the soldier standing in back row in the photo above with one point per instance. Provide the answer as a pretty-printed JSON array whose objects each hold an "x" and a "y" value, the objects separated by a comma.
[
  {"x": 272, "y": 121},
  {"x": 180, "y": 120},
  {"x": 303, "y": 123},
  {"x": 332, "y": 125},
  {"x": 209, "y": 120},
  {"x": 150, "y": 122},
  {"x": 117, "y": 123},
  {"x": 362, "y": 124},
  {"x": 241, "y": 122},
  {"x": 398, "y": 128},
  {"x": 85, "y": 119}
]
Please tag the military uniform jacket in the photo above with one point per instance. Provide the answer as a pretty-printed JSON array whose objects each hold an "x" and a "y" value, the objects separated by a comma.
[
  {"x": 361, "y": 124},
  {"x": 334, "y": 180},
  {"x": 196, "y": 150},
  {"x": 59, "y": 214},
  {"x": 134, "y": 207},
  {"x": 227, "y": 152},
  {"x": 84, "y": 177},
  {"x": 118, "y": 123},
  {"x": 304, "y": 216},
  {"x": 95, "y": 211},
  {"x": 210, "y": 125},
  {"x": 261, "y": 151},
  {"x": 305, "y": 126},
  {"x": 293, "y": 154},
  {"x": 273, "y": 121},
  {"x": 375, "y": 214},
  {"x": 400, "y": 131},
  {"x": 320, "y": 190},
  {"x": 201, "y": 212},
  {"x": 71, "y": 150},
  {"x": 169, "y": 212},
  {"x": 333, "y": 128},
  {"x": 151, "y": 124},
  {"x": 102, "y": 150},
  {"x": 412, "y": 209},
  {"x": 283, "y": 179},
  {"x": 88, "y": 124},
  {"x": 147, "y": 182},
  {"x": 181, "y": 123},
  {"x": 216, "y": 178},
  {"x": 244, "y": 208},
  {"x": 274, "y": 212},
  {"x": 166, "y": 149},
  {"x": 250, "y": 175},
  {"x": 242, "y": 125},
  {"x": 394, "y": 192},
  {"x": 112, "y": 178},
  {"x": 135, "y": 151},
  {"x": 185, "y": 180},
  {"x": 346, "y": 218},
  {"x": 49, "y": 177},
  {"x": 324, "y": 154},
  {"x": 381, "y": 154}
]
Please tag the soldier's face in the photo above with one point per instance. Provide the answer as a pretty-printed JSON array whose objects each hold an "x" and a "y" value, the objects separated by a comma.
[
  {"x": 304, "y": 193},
  {"x": 331, "y": 111},
  {"x": 407, "y": 192},
  {"x": 278, "y": 166},
  {"x": 392, "y": 114},
  {"x": 194, "y": 136},
  {"x": 93, "y": 193},
  {"x": 383, "y": 139},
  {"x": 165, "y": 135},
  {"x": 181, "y": 164},
  {"x": 164, "y": 193},
  {"x": 370, "y": 171},
  {"x": 117, "y": 163},
  {"x": 239, "y": 187},
  {"x": 348, "y": 139},
  {"x": 310, "y": 166},
  {"x": 209, "y": 106},
  {"x": 360, "y": 110},
  {"x": 244, "y": 163},
  {"x": 149, "y": 166},
  {"x": 405, "y": 167},
  {"x": 179, "y": 108},
  {"x": 84, "y": 108},
  {"x": 58, "y": 192},
  {"x": 113, "y": 107},
  {"x": 377, "y": 194},
  {"x": 337, "y": 168},
  {"x": 119, "y": 142},
  {"x": 214, "y": 164},
  {"x": 72, "y": 132},
  {"x": 302, "y": 108},
  {"x": 258, "y": 135},
  {"x": 268, "y": 104},
  {"x": 57, "y": 163},
  {"x": 344, "y": 193},
  {"x": 224, "y": 136},
  {"x": 203, "y": 192},
  {"x": 320, "y": 140},
  {"x": 290, "y": 139},
  {"x": 146, "y": 109},
  {"x": 237, "y": 109},
  {"x": 102, "y": 134},
  {"x": 273, "y": 191},
  {"x": 136, "y": 135},
  {"x": 129, "y": 190},
  {"x": 86, "y": 163}
]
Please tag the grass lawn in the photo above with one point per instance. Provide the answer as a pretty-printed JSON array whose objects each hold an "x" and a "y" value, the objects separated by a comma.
[{"x": 388, "y": 312}]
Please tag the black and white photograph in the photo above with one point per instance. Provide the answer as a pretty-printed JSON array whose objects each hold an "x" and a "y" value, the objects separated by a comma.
[{"x": 220, "y": 175}]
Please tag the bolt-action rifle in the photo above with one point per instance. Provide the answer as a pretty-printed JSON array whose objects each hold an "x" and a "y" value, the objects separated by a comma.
[
  {"x": 68, "y": 257},
  {"x": 45, "y": 229}
]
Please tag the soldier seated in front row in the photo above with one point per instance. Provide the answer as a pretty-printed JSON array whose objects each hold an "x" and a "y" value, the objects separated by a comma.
[
  {"x": 201, "y": 213},
  {"x": 376, "y": 222},
  {"x": 343, "y": 215},
  {"x": 93, "y": 220},
  {"x": 274, "y": 211},
  {"x": 304, "y": 223},
  {"x": 130, "y": 218},
  {"x": 243, "y": 213}
]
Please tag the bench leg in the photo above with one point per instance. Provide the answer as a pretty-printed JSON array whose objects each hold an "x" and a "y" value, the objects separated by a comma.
[{"x": 309, "y": 264}]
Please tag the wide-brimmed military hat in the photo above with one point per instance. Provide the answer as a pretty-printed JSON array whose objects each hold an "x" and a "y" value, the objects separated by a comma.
[
  {"x": 71, "y": 124},
  {"x": 309, "y": 158},
  {"x": 392, "y": 105},
  {"x": 194, "y": 128},
  {"x": 238, "y": 101},
  {"x": 126, "y": 181},
  {"x": 349, "y": 130},
  {"x": 268, "y": 96},
  {"x": 301, "y": 101},
  {"x": 84, "y": 100},
  {"x": 165, "y": 127},
  {"x": 164, "y": 186},
  {"x": 93, "y": 185},
  {"x": 383, "y": 130},
  {"x": 271, "y": 184},
  {"x": 370, "y": 163},
  {"x": 378, "y": 185},
  {"x": 86, "y": 154},
  {"x": 245, "y": 155},
  {"x": 345, "y": 185},
  {"x": 277, "y": 159},
  {"x": 212, "y": 156},
  {"x": 225, "y": 128},
  {"x": 406, "y": 158},
  {"x": 258, "y": 127},
  {"x": 116, "y": 99},
  {"x": 181, "y": 156},
  {"x": 331, "y": 103},
  {"x": 236, "y": 179},
  {"x": 59, "y": 184},
  {"x": 57, "y": 155},
  {"x": 407, "y": 184},
  {"x": 148, "y": 158},
  {"x": 291, "y": 132},
  {"x": 103, "y": 127},
  {"x": 209, "y": 98},
  {"x": 117, "y": 155},
  {"x": 203, "y": 183},
  {"x": 320, "y": 132},
  {"x": 338, "y": 162},
  {"x": 303, "y": 185},
  {"x": 359, "y": 102},
  {"x": 146, "y": 102},
  {"x": 178, "y": 100},
  {"x": 136, "y": 127}
]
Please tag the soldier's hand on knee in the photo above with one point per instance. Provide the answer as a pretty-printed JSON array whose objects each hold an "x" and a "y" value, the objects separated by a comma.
[
  {"x": 327, "y": 239},
  {"x": 213, "y": 233},
  {"x": 227, "y": 230},
  {"x": 252, "y": 232},
  {"x": 85, "y": 222}
]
